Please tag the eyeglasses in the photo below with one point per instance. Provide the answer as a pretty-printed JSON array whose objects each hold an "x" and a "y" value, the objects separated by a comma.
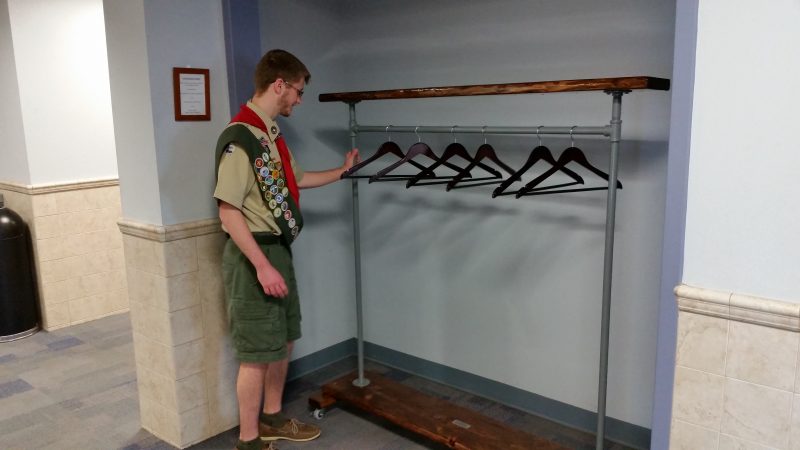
[{"x": 299, "y": 91}]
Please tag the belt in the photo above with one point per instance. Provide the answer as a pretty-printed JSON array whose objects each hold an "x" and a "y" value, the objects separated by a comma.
[{"x": 264, "y": 238}]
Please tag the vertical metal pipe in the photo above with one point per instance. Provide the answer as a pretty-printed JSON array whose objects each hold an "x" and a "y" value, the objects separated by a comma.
[
  {"x": 608, "y": 264},
  {"x": 360, "y": 381}
]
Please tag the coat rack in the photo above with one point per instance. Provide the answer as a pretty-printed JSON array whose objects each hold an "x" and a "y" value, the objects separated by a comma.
[{"x": 446, "y": 433}]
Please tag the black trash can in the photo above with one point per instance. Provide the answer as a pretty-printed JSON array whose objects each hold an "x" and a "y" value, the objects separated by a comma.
[{"x": 19, "y": 315}]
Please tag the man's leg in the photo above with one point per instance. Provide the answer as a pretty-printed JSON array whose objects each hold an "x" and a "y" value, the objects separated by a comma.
[
  {"x": 274, "y": 382},
  {"x": 249, "y": 386},
  {"x": 275, "y": 425}
]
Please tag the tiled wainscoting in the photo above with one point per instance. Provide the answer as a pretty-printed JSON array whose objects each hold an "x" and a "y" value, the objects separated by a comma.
[
  {"x": 737, "y": 384},
  {"x": 184, "y": 363},
  {"x": 77, "y": 248}
]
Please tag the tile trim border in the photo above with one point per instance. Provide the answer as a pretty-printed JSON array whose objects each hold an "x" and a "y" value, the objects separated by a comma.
[
  {"x": 58, "y": 187},
  {"x": 167, "y": 233},
  {"x": 739, "y": 307}
]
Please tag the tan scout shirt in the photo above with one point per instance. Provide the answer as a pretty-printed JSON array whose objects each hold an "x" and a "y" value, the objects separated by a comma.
[{"x": 236, "y": 181}]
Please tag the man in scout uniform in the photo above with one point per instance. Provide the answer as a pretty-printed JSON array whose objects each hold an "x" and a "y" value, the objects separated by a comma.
[{"x": 257, "y": 192}]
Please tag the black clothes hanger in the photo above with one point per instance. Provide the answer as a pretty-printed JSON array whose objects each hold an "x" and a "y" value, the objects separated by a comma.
[
  {"x": 572, "y": 154},
  {"x": 540, "y": 153},
  {"x": 386, "y": 148},
  {"x": 485, "y": 151}
]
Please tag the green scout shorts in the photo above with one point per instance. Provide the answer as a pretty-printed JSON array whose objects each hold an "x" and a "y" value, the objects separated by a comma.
[{"x": 260, "y": 324}]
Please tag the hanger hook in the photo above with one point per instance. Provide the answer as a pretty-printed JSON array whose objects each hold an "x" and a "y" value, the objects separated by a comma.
[
  {"x": 571, "y": 139},
  {"x": 415, "y": 132},
  {"x": 537, "y": 134},
  {"x": 483, "y": 132},
  {"x": 387, "y": 132},
  {"x": 452, "y": 131}
]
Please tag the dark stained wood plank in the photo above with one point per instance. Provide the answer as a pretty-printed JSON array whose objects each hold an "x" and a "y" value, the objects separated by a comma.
[
  {"x": 321, "y": 401},
  {"x": 436, "y": 419},
  {"x": 537, "y": 87}
]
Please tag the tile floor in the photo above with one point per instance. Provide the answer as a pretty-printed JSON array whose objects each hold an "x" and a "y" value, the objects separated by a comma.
[{"x": 75, "y": 388}]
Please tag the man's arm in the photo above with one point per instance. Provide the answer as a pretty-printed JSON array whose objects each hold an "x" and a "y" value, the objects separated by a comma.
[
  {"x": 321, "y": 178},
  {"x": 271, "y": 280}
]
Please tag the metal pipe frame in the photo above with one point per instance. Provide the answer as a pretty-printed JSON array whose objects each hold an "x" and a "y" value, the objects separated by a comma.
[
  {"x": 613, "y": 131},
  {"x": 360, "y": 381},
  {"x": 608, "y": 263},
  {"x": 576, "y": 130}
]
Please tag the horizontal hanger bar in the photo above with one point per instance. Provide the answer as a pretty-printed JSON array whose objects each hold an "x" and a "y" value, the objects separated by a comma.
[
  {"x": 535, "y": 87},
  {"x": 591, "y": 131}
]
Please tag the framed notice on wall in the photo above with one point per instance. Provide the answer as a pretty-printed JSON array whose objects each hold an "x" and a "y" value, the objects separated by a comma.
[{"x": 191, "y": 92}]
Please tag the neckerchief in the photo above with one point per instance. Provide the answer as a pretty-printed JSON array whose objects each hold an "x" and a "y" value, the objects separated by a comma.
[{"x": 248, "y": 116}]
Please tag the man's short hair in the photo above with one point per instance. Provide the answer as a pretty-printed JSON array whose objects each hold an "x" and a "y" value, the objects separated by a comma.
[{"x": 279, "y": 64}]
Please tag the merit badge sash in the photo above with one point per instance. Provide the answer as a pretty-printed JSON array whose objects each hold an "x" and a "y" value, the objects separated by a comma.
[{"x": 271, "y": 177}]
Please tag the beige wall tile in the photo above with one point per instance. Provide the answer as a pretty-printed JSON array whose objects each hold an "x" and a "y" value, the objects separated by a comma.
[
  {"x": 153, "y": 355},
  {"x": 685, "y": 436},
  {"x": 183, "y": 291},
  {"x": 223, "y": 413},
  {"x": 55, "y": 316},
  {"x": 47, "y": 227},
  {"x": 701, "y": 342},
  {"x": 62, "y": 291},
  {"x": 146, "y": 288},
  {"x": 178, "y": 257},
  {"x": 209, "y": 248},
  {"x": 57, "y": 270},
  {"x": 97, "y": 262},
  {"x": 191, "y": 392},
  {"x": 762, "y": 355},
  {"x": 188, "y": 358},
  {"x": 44, "y": 205},
  {"x": 143, "y": 254},
  {"x": 211, "y": 284},
  {"x": 186, "y": 325},
  {"x": 195, "y": 425},
  {"x": 698, "y": 397},
  {"x": 155, "y": 325},
  {"x": 50, "y": 249},
  {"x": 794, "y": 424},
  {"x": 20, "y": 204},
  {"x": 95, "y": 284},
  {"x": 119, "y": 300},
  {"x": 75, "y": 222},
  {"x": 158, "y": 387},
  {"x": 89, "y": 308},
  {"x": 70, "y": 201},
  {"x": 76, "y": 266},
  {"x": 74, "y": 245},
  {"x": 757, "y": 413},
  {"x": 731, "y": 443},
  {"x": 117, "y": 258},
  {"x": 160, "y": 421}
]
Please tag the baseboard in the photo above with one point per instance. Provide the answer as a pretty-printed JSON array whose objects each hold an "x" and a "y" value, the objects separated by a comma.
[
  {"x": 616, "y": 430},
  {"x": 321, "y": 358}
]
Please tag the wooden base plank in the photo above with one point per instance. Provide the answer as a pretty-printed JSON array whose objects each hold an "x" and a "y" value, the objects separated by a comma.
[
  {"x": 436, "y": 419},
  {"x": 321, "y": 401}
]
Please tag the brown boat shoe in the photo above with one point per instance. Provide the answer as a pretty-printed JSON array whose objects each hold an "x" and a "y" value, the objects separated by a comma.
[
  {"x": 264, "y": 446},
  {"x": 292, "y": 430}
]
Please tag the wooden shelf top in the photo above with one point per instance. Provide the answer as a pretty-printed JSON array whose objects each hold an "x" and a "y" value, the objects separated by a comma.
[{"x": 536, "y": 87}]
